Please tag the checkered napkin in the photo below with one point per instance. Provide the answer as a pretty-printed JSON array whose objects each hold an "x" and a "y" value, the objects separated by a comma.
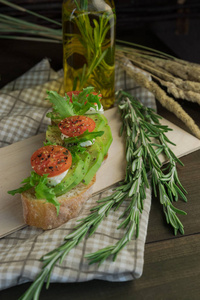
[{"x": 23, "y": 114}]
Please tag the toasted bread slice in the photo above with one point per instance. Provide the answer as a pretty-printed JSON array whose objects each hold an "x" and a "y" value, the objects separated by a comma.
[{"x": 41, "y": 214}]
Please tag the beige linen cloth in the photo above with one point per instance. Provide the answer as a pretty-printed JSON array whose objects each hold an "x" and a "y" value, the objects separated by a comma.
[{"x": 23, "y": 114}]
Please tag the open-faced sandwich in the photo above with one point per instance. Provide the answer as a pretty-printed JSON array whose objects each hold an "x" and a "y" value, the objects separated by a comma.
[{"x": 64, "y": 169}]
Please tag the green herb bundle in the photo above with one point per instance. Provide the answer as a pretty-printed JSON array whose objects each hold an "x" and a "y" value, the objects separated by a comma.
[
  {"x": 145, "y": 140},
  {"x": 89, "y": 41}
]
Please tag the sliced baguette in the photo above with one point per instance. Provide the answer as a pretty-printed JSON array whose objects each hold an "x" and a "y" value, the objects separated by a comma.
[{"x": 41, "y": 214}]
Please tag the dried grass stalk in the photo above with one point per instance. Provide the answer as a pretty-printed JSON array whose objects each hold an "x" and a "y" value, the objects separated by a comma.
[
  {"x": 180, "y": 93},
  {"x": 185, "y": 71},
  {"x": 187, "y": 85},
  {"x": 179, "y": 88},
  {"x": 148, "y": 65},
  {"x": 172, "y": 65},
  {"x": 166, "y": 101}
]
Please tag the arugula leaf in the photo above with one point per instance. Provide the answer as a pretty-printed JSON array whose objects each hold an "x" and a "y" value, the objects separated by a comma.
[
  {"x": 81, "y": 103},
  {"x": 86, "y": 136},
  {"x": 85, "y": 100},
  {"x": 30, "y": 182},
  {"x": 42, "y": 190},
  {"x": 62, "y": 107},
  {"x": 20, "y": 190},
  {"x": 74, "y": 149}
]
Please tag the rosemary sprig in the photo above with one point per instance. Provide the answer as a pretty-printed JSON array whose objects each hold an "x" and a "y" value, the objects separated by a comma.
[
  {"x": 91, "y": 43},
  {"x": 143, "y": 134},
  {"x": 145, "y": 140},
  {"x": 149, "y": 139}
]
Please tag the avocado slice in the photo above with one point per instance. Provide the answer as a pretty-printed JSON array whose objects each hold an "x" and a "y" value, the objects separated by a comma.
[
  {"x": 106, "y": 139},
  {"x": 96, "y": 161},
  {"x": 86, "y": 157},
  {"x": 53, "y": 135},
  {"x": 75, "y": 174},
  {"x": 98, "y": 151},
  {"x": 72, "y": 175},
  {"x": 99, "y": 120}
]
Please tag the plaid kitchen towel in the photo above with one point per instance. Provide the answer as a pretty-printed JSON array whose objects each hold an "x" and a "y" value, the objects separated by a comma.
[{"x": 23, "y": 114}]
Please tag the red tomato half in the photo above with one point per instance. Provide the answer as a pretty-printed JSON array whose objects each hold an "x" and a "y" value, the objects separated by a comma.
[
  {"x": 76, "y": 125},
  {"x": 52, "y": 160},
  {"x": 76, "y": 93}
]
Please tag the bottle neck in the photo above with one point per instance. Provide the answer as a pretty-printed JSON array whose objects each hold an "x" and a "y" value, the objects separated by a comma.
[
  {"x": 90, "y": 5},
  {"x": 101, "y": 5}
]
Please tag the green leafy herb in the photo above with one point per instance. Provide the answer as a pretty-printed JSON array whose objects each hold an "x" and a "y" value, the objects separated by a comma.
[
  {"x": 142, "y": 128},
  {"x": 63, "y": 108},
  {"x": 74, "y": 149},
  {"x": 145, "y": 140},
  {"x": 30, "y": 182},
  {"x": 94, "y": 34},
  {"x": 147, "y": 137},
  {"x": 42, "y": 189},
  {"x": 85, "y": 100},
  {"x": 86, "y": 136}
]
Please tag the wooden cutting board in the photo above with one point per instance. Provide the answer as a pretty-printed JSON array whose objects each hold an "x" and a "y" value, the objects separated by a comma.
[{"x": 15, "y": 166}]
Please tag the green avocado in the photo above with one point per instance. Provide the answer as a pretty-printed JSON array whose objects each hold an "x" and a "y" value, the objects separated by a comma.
[
  {"x": 98, "y": 151},
  {"x": 72, "y": 175},
  {"x": 86, "y": 164},
  {"x": 86, "y": 158},
  {"x": 97, "y": 156},
  {"x": 106, "y": 139},
  {"x": 99, "y": 120},
  {"x": 53, "y": 135},
  {"x": 75, "y": 174}
]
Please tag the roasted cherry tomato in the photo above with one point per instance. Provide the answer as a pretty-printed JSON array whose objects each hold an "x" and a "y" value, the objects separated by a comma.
[
  {"x": 52, "y": 160},
  {"x": 76, "y": 125},
  {"x": 76, "y": 93}
]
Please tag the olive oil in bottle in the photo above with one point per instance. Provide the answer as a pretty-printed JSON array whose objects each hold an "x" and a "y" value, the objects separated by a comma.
[{"x": 89, "y": 46}]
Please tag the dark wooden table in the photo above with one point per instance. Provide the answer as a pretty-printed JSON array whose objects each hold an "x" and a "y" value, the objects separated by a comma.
[{"x": 171, "y": 264}]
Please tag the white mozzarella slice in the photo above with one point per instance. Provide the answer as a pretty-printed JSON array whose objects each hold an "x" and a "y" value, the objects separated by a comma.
[
  {"x": 53, "y": 181},
  {"x": 87, "y": 143}
]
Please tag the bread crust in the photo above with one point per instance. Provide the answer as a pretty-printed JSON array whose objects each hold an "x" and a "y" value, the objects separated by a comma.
[{"x": 41, "y": 214}]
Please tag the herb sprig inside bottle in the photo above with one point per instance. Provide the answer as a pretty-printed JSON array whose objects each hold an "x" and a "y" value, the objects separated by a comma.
[{"x": 89, "y": 46}]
